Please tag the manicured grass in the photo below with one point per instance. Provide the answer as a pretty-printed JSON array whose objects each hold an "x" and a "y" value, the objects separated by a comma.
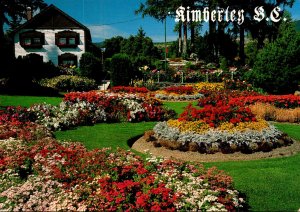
[
  {"x": 178, "y": 106},
  {"x": 27, "y": 101},
  {"x": 269, "y": 185},
  {"x": 106, "y": 135},
  {"x": 292, "y": 130}
]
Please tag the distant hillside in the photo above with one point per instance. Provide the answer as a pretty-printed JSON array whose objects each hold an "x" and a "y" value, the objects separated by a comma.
[{"x": 297, "y": 23}]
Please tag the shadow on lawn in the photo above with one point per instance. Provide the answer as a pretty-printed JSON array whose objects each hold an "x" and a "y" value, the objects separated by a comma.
[
  {"x": 29, "y": 90},
  {"x": 131, "y": 141}
]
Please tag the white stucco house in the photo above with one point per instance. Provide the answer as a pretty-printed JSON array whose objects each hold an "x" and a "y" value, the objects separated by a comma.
[{"x": 52, "y": 35}]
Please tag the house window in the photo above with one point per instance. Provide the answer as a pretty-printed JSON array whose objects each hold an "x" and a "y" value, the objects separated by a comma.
[
  {"x": 62, "y": 41},
  {"x": 27, "y": 41},
  {"x": 37, "y": 41},
  {"x": 72, "y": 41},
  {"x": 67, "y": 39},
  {"x": 67, "y": 59},
  {"x": 32, "y": 39}
]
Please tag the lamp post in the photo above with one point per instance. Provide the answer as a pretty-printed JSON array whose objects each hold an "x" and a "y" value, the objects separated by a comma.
[{"x": 102, "y": 51}]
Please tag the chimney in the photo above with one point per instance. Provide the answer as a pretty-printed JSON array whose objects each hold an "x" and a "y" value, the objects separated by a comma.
[{"x": 29, "y": 13}]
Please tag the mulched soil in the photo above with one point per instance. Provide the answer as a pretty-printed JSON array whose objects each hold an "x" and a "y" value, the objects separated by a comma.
[{"x": 141, "y": 145}]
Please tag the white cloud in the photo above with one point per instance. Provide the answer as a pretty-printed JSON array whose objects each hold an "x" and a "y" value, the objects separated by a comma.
[{"x": 105, "y": 32}]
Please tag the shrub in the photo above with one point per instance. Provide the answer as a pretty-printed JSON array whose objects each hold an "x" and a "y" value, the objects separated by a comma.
[
  {"x": 91, "y": 67},
  {"x": 69, "y": 83},
  {"x": 121, "y": 70},
  {"x": 276, "y": 68}
]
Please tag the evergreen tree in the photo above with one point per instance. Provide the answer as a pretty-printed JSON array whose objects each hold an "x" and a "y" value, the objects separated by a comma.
[{"x": 277, "y": 65}]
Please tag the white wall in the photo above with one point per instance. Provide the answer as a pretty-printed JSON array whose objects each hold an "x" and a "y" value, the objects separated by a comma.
[{"x": 50, "y": 51}]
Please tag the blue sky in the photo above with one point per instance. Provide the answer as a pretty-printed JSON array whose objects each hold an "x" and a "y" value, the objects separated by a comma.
[{"x": 109, "y": 18}]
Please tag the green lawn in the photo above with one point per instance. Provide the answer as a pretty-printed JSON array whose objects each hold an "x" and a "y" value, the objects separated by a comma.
[
  {"x": 178, "y": 106},
  {"x": 106, "y": 135},
  {"x": 269, "y": 185},
  {"x": 26, "y": 101}
]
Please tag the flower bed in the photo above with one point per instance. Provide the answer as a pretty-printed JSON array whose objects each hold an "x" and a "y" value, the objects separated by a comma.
[
  {"x": 86, "y": 108},
  {"x": 46, "y": 175},
  {"x": 178, "y": 93},
  {"x": 209, "y": 86},
  {"x": 213, "y": 97},
  {"x": 280, "y": 101},
  {"x": 199, "y": 137},
  {"x": 180, "y": 89},
  {"x": 221, "y": 128},
  {"x": 128, "y": 89}
]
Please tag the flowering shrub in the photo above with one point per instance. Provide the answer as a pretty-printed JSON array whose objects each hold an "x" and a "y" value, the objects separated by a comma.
[
  {"x": 69, "y": 83},
  {"x": 128, "y": 89},
  {"x": 48, "y": 175}
]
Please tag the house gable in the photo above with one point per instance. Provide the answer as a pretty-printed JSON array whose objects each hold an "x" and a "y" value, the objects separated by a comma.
[{"x": 51, "y": 34}]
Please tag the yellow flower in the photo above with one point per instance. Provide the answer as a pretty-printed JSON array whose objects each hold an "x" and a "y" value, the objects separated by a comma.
[
  {"x": 201, "y": 127},
  {"x": 209, "y": 86}
]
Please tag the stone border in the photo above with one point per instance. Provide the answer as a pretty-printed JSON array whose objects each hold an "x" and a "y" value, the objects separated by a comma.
[{"x": 141, "y": 145}]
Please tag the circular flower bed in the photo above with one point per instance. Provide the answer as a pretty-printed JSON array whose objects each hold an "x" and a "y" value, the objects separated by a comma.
[{"x": 224, "y": 128}]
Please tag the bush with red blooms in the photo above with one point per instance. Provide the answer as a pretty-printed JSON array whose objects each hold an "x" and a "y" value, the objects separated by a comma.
[
  {"x": 180, "y": 89},
  {"x": 129, "y": 89},
  {"x": 215, "y": 115}
]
